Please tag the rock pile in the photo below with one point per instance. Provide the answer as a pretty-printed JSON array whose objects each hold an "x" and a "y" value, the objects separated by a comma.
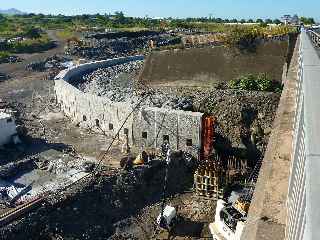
[
  {"x": 50, "y": 63},
  {"x": 115, "y": 82},
  {"x": 170, "y": 101},
  {"x": 10, "y": 59},
  {"x": 3, "y": 77},
  {"x": 106, "y": 47},
  {"x": 94, "y": 208}
]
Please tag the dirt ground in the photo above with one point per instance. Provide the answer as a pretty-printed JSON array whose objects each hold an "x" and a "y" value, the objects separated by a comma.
[
  {"x": 195, "y": 214},
  {"x": 209, "y": 67},
  {"x": 114, "y": 210},
  {"x": 35, "y": 99},
  {"x": 17, "y": 70},
  {"x": 45, "y": 127}
]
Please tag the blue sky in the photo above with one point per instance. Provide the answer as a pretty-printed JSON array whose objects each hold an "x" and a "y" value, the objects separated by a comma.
[{"x": 175, "y": 8}]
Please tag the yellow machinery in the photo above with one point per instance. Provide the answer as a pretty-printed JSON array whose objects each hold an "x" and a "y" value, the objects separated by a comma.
[{"x": 242, "y": 205}]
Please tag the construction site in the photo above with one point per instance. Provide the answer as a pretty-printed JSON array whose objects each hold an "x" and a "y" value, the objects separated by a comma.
[{"x": 136, "y": 144}]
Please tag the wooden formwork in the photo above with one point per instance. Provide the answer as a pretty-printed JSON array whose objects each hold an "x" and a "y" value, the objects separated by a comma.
[
  {"x": 211, "y": 177},
  {"x": 207, "y": 183}
]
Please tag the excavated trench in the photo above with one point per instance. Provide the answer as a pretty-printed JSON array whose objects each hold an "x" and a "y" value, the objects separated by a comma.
[{"x": 125, "y": 204}]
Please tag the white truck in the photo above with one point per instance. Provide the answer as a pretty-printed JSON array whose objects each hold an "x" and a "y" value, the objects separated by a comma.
[{"x": 229, "y": 222}]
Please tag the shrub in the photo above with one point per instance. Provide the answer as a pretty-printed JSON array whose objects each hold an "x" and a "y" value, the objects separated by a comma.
[
  {"x": 252, "y": 82},
  {"x": 234, "y": 83},
  {"x": 245, "y": 36},
  {"x": 248, "y": 82},
  {"x": 264, "y": 83},
  {"x": 4, "y": 54},
  {"x": 32, "y": 33},
  {"x": 32, "y": 45}
]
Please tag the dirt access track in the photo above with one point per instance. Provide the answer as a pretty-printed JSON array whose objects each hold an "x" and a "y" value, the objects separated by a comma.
[{"x": 18, "y": 69}]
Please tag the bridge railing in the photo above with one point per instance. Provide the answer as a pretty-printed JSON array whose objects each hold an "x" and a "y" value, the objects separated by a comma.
[
  {"x": 315, "y": 37},
  {"x": 303, "y": 204}
]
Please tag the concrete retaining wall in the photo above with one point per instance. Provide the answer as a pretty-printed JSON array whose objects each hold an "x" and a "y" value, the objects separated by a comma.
[
  {"x": 146, "y": 127},
  {"x": 267, "y": 217},
  {"x": 68, "y": 74},
  {"x": 7, "y": 128}
]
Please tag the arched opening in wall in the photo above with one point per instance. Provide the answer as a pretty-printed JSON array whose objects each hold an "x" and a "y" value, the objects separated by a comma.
[
  {"x": 110, "y": 126},
  {"x": 84, "y": 118},
  {"x": 166, "y": 138},
  {"x": 97, "y": 123},
  {"x": 126, "y": 131}
]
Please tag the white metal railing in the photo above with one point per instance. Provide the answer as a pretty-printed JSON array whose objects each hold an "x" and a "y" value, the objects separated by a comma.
[
  {"x": 303, "y": 219},
  {"x": 315, "y": 37}
]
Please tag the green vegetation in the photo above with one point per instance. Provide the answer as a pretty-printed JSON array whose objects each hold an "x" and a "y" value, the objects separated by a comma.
[
  {"x": 42, "y": 43},
  {"x": 245, "y": 36},
  {"x": 4, "y": 54},
  {"x": 32, "y": 39},
  {"x": 66, "y": 34},
  {"x": 32, "y": 26},
  {"x": 307, "y": 21},
  {"x": 16, "y": 25},
  {"x": 252, "y": 82}
]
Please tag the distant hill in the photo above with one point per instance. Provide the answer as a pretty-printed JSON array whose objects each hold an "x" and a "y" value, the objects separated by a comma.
[{"x": 11, "y": 11}]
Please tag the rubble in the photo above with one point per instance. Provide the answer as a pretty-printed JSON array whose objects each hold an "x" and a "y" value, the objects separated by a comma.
[
  {"x": 112, "y": 45},
  {"x": 10, "y": 59},
  {"x": 8, "y": 192},
  {"x": 95, "y": 207},
  {"x": 51, "y": 63},
  {"x": 119, "y": 204},
  {"x": 115, "y": 82},
  {"x": 3, "y": 77},
  {"x": 7, "y": 170}
]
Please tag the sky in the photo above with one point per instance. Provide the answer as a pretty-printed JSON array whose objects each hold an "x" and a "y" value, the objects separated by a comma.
[{"x": 172, "y": 8}]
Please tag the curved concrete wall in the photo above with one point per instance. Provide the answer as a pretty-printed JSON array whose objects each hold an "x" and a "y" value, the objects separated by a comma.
[
  {"x": 66, "y": 75},
  {"x": 146, "y": 127}
]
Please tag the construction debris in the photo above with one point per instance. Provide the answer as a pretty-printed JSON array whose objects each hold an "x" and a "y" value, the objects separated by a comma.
[
  {"x": 114, "y": 82},
  {"x": 55, "y": 62},
  {"x": 3, "y": 77},
  {"x": 119, "y": 44},
  {"x": 10, "y": 59},
  {"x": 86, "y": 198}
]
